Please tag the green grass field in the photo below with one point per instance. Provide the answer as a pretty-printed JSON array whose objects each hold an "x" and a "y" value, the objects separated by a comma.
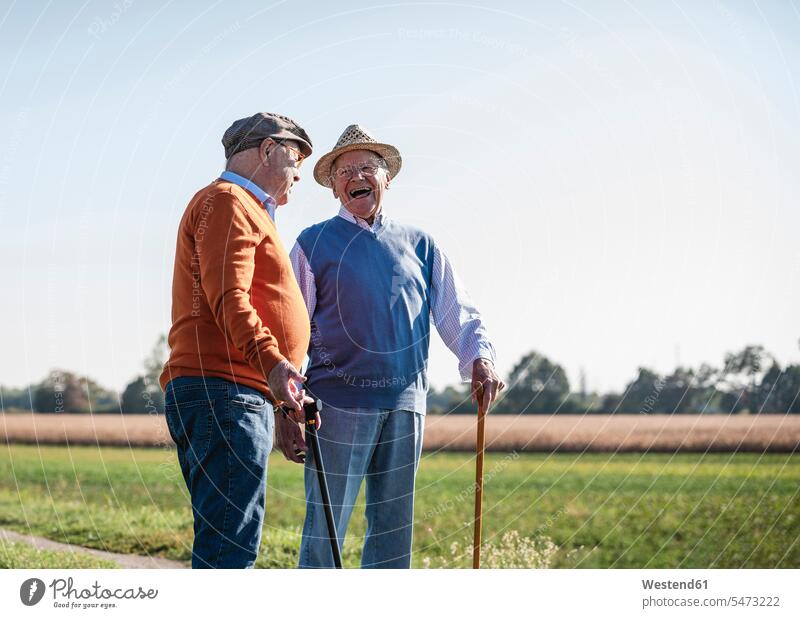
[
  {"x": 598, "y": 510},
  {"x": 23, "y": 556}
]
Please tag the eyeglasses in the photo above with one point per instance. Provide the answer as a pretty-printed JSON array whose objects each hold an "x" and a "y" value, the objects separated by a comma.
[
  {"x": 350, "y": 171},
  {"x": 298, "y": 156}
]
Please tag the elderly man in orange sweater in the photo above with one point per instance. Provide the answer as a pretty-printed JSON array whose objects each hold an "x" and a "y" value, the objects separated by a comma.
[{"x": 239, "y": 332}]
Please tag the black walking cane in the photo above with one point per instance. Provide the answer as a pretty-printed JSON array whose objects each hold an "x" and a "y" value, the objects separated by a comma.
[{"x": 311, "y": 410}]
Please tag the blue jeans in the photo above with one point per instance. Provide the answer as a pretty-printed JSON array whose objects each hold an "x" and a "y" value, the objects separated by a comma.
[
  {"x": 223, "y": 432},
  {"x": 384, "y": 446}
]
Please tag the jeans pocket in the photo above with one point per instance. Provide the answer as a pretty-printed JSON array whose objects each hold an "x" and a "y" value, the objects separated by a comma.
[
  {"x": 190, "y": 425},
  {"x": 250, "y": 402},
  {"x": 253, "y": 423}
]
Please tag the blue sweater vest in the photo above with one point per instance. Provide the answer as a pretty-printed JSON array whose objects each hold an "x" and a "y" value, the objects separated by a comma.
[{"x": 371, "y": 326}]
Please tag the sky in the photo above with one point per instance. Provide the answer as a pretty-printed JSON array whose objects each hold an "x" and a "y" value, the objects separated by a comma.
[{"x": 615, "y": 182}]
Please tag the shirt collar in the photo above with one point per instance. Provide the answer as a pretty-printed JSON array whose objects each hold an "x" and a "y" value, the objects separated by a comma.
[
  {"x": 349, "y": 216},
  {"x": 262, "y": 196}
]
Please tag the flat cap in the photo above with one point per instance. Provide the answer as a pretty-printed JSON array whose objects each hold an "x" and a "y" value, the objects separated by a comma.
[{"x": 250, "y": 132}]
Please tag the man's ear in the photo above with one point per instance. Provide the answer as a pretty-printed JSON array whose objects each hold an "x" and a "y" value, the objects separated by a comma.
[
  {"x": 388, "y": 179},
  {"x": 265, "y": 148},
  {"x": 336, "y": 195}
]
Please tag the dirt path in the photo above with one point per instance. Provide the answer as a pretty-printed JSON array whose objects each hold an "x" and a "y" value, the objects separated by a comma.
[{"x": 126, "y": 561}]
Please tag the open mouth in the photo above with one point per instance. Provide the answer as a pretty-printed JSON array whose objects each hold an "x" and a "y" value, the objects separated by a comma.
[{"x": 360, "y": 192}]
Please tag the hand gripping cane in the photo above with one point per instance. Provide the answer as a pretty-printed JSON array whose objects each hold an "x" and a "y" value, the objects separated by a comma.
[{"x": 311, "y": 410}]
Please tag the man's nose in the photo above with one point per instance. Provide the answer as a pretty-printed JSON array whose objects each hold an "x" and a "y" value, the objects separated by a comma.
[{"x": 296, "y": 175}]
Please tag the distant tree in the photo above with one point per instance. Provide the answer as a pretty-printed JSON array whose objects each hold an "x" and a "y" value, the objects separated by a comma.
[
  {"x": 577, "y": 403},
  {"x": 583, "y": 401},
  {"x": 144, "y": 394},
  {"x": 767, "y": 393},
  {"x": 707, "y": 397},
  {"x": 611, "y": 403},
  {"x": 15, "y": 398},
  {"x": 139, "y": 397},
  {"x": 101, "y": 399},
  {"x": 154, "y": 363},
  {"x": 789, "y": 391},
  {"x": 739, "y": 380},
  {"x": 450, "y": 400},
  {"x": 642, "y": 394},
  {"x": 779, "y": 390},
  {"x": 536, "y": 386},
  {"x": 61, "y": 391},
  {"x": 131, "y": 401},
  {"x": 678, "y": 392},
  {"x": 706, "y": 376}
]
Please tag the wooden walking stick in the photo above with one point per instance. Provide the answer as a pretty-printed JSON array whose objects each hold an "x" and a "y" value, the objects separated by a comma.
[{"x": 481, "y": 444}]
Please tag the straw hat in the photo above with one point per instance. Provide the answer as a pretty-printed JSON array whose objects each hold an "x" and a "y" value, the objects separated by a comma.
[{"x": 356, "y": 137}]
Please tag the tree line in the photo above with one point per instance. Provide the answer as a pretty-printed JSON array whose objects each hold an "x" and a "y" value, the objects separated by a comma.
[
  {"x": 66, "y": 392},
  {"x": 749, "y": 381}
]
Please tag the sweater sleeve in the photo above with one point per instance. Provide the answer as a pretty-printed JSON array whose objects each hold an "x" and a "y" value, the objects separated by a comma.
[
  {"x": 456, "y": 318},
  {"x": 225, "y": 244}
]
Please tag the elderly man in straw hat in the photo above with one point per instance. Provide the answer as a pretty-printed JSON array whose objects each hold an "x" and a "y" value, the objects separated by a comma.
[
  {"x": 239, "y": 331},
  {"x": 372, "y": 287}
]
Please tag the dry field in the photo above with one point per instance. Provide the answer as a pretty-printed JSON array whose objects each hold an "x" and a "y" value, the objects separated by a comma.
[
  {"x": 532, "y": 433},
  {"x": 619, "y": 432}
]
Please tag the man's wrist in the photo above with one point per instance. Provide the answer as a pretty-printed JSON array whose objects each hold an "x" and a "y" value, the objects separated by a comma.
[{"x": 269, "y": 359}]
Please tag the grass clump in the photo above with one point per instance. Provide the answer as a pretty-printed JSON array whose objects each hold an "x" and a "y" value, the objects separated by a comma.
[{"x": 23, "y": 556}]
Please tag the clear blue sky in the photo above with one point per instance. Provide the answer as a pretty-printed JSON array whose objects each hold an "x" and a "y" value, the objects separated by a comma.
[{"x": 617, "y": 183}]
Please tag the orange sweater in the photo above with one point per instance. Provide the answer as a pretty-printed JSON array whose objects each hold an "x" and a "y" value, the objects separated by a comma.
[{"x": 236, "y": 308}]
